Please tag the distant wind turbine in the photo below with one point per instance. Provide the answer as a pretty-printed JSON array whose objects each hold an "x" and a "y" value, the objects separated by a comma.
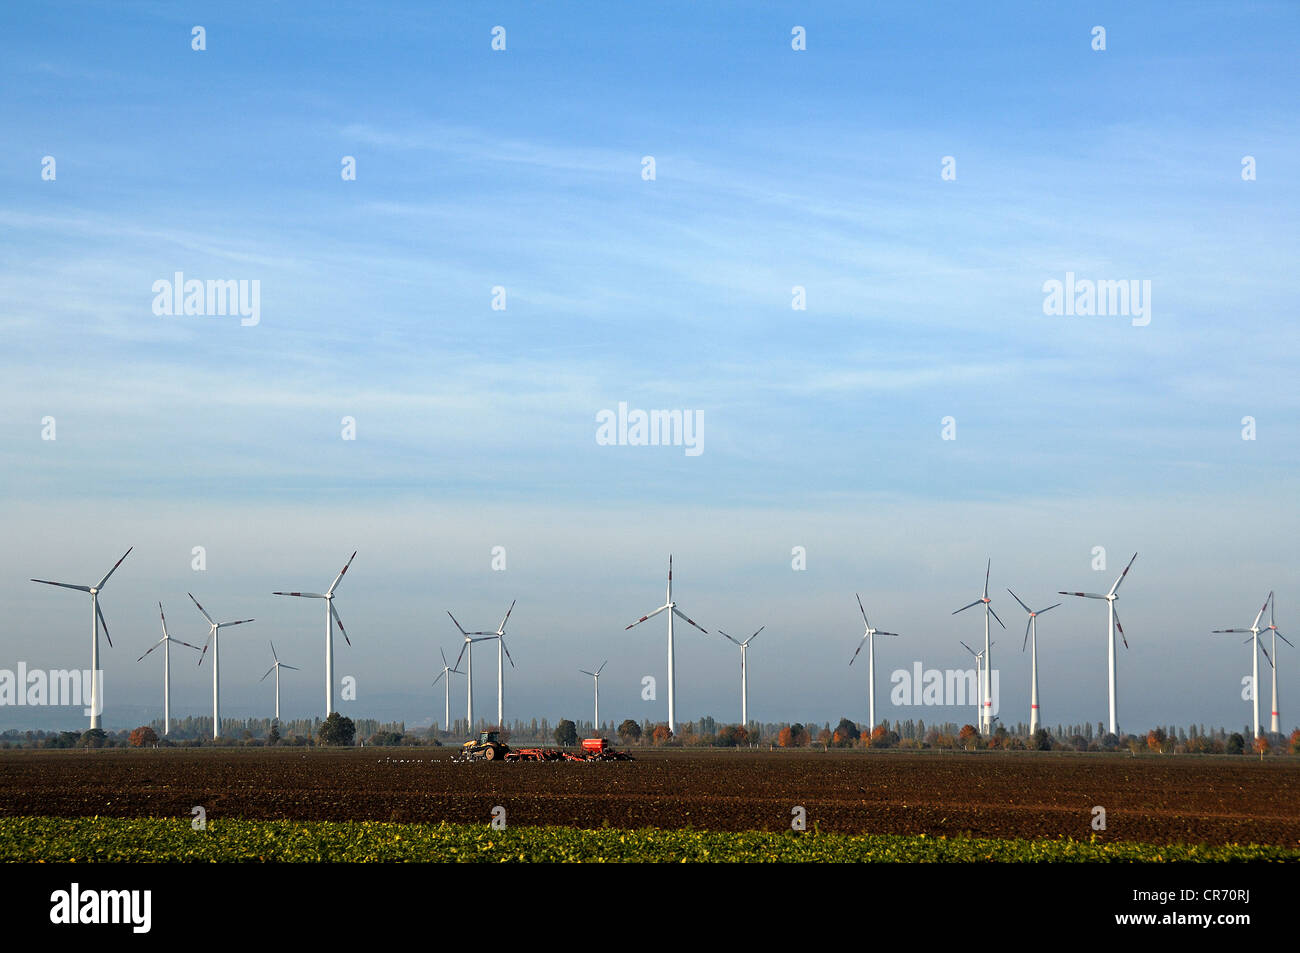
[
  {"x": 467, "y": 651},
  {"x": 276, "y": 668},
  {"x": 673, "y": 611},
  {"x": 595, "y": 676},
  {"x": 96, "y": 620},
  {"x": 166, "y": 642},
  {"x": 744, "y": 675},
  {"x": 869, "y": 637},
  {"x": 214, "y": 637},
  {"x": 979, "y": 663},
  {"x": 331, "y": 616},
  {"x": 1031, "y": 628},
  {"x": 1254, "y": 631},
  {"x": 500, "y": 636},
  {"x": 1113, "y": 624},
  {"x": 985, "y": 690},
  {"x": 447, "y": 672}
]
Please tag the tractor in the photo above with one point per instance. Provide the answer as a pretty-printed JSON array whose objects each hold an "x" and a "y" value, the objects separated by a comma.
[{"x": 488, "y": 746}]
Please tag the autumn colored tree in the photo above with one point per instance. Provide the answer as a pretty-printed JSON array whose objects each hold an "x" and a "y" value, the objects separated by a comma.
[
  {"x": 824, "y": 737},
  {"x": 1156, "y": 738},
  {"x": 845, "y": 733},
  {"x": 630, "y": 732},
  {"x": 143, "y": 737},
  {"x": 1295, "y": 741},
  {"x": 1262, "y": 746},
  {"x": 969, "y": 736},
  {"x": 661, "y": 734},
  {"x": 793, "y": 736}
]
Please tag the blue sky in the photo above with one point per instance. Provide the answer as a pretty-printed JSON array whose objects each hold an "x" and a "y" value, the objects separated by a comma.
[{"x": 476, "y": 427}]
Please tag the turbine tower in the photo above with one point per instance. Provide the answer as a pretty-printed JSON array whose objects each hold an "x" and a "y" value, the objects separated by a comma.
[
  {"x": 467, "y": 651},
  {"x": 1254, "y": 631},
  {"x": 331, "y": 616},
  {"x": 674, "y": 611},
  {"x": 1272, "y": 627},
  {"x": 596, "y": 678},
  {"x": 447, "y": 672},
  {"x": 1112, "y": 625},
  {"x": 869, "y": 637},
  {"x": 166, "y": 642},
  {"x": 276, "y": 668},
  {"x": 744, "y": 676},
  {"x": 1031, "y": 627},
  {"x": 96, "y": 620},
  {"x": 213, "y": 637},
  {"x": 986, "y": 711},
  {"x": 500, "y": 636}
]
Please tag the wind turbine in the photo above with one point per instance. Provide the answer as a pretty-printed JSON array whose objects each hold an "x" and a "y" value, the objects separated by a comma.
[
  {"x": 96, "y": 620},
  {"x": 596, "y": 678},
  {"x": 979, "y": 663},
  {"x": 1032, "y": 627},
  {"x": 467, "y": 650},
  {"x": 669, "y": 604},
  {"x": 1272, "y": 627},
  {"x": 166, "y": 642},
  {"x": 1113, "y": 624},
  {"x": 213, "y": 637},
  {"x": 986, "y": 713},
  {"x": 744, "y": 676},
  {"x": 331, "y": 616},
  {"x": 869, "y": 637},
  {"x": 276, "y": 668},
  {"x": 500, "y": 636},
  {"x": 447, "y": 672},
  {"x": 1254, "y": 631}
]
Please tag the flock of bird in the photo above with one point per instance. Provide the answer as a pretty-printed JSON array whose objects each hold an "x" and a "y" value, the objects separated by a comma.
[{"x": 983, "y": 658}]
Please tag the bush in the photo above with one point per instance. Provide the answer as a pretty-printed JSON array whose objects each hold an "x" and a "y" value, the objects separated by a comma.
[
  {"x": 143, "y": 737},
  {"x": 336, "y": 730},
  {"x": 1236, "y": 744},
  {"x": 566, "y": 733}
]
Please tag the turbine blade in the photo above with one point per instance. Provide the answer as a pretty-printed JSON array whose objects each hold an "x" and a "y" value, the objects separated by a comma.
[
  {"x": 507, "y": 650},
  {"x": 342, "y": 571},
  {"x": 457, "y": 624},
  {"x": 964, "y": 608},
  {"x": 63, "y": 585},
  {"x": 502, "y": 628},
  {"x": 204, "y": 651},
  {"x": 1229, "y": 631},
  {"x": 99, "y": 611},
  {"x": 268, "y": 672},
  {"x": 1049, "y": 608},
  {"x": 462, "y": 653},
  {"x": 602, "y": 666},
  {"x": 644, "y": 617},
  {"x": 1265, "y": 651},
  {"x": 439, "y": 678},
  {"x": 862, "y": 610},
  {"x": 1021, "y": 601},
  {"x": 682, "y": 615},
  {"x": 186, "y": 644},
  {"x": 986, "y": 577},
  {"x": 585, "y": 672},
  {"x": 1120, "y": 627},
  {"x": 969, "y": 649},
  {"x": 725, "y": 636},
  {"x": 1115, "y": 587},
  {"x": 861, "y": 642},
  {"x": 114, "y": 569},
  {"x": 164, "y": 620},
  {"x": 211, "y": 621},
  {"x": 1027, "y": 625},
  {"x": 151, "y": 648},
  {"x": 273, "y": 655},
  {"x": 755, "y": 635},
  {"x": 1086, "y": 595},
  {"x": 894, "y": 634},
  {"x": 226, "y": 625},
  {"x": 1255, "y": 624},
  {"x": 335, "y": 613},
  {"x": 303, "y": 595},
  {"x": 995, "y": 615},
  {"x": 293, "y": 667},
  {"x": 1283, "y": 638}
]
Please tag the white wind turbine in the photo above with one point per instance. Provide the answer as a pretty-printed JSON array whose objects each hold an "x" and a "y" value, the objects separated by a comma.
[
  {"x": 467, "y": 651},
  {"x": 1031, "y": 627},
  {"x": 985, "y": 690},
  {"x": 166, "y": 642},
  {"x": 500, "y": 636},
  {"x": 1254, "y": 631},
  {"x": 1272, "y": 627},
  {"x": 447, "y": 672},
  {"x": 596, "y": 678},
  {"x": 744, "y": 675},
  {"x": 674, "y": 611},
  {"x": 276, "y": 668},
  {"x": 1113, "y": 624},
  {"x": 331, "y": 616},
  {"x": 979, "y": 663},
  {"x": 214, "y": 637},
  {"x": 96, "y": 620},
  {"x": 869, "y": 637}
]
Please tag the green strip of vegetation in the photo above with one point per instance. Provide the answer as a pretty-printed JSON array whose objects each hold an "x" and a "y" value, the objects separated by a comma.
[{"x": 81, "y": 839}]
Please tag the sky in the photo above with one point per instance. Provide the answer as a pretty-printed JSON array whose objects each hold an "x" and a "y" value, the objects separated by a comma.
[{"x": 523, "y": 169}]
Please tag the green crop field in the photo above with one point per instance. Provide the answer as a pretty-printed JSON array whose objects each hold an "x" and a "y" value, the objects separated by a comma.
[{"x": 155, "y": 839}]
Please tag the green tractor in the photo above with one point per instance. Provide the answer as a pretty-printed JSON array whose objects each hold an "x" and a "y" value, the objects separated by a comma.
[{"x": 487, "y": 746}]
